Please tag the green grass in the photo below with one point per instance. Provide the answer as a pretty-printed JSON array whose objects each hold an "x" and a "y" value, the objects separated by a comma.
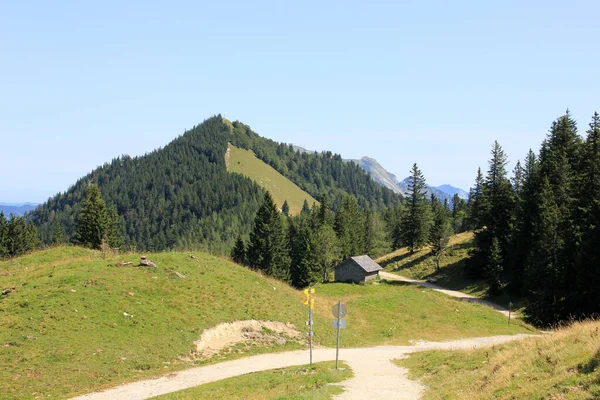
[
  {"x": 63, "y": 330},
  {"x": 281, "y": 188},
  {"x": 421, "y": 265},
  {"x": 300, "y": 382},
  {"x": 393, "y": 313},
  {"x": 563, "y": 365}
]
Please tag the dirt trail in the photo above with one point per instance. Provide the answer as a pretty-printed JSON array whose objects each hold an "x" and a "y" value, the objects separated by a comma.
[
  {"x": 453, "y": 293},
  {"x": 374, "y": 374}
]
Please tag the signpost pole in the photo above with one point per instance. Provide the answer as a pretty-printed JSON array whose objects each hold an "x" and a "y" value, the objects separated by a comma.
[
  {"x": 310, "y": 329},
  {"x": 337, "y": 348}
]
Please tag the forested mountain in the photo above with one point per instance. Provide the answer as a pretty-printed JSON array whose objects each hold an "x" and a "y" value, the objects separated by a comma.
[{"x": 182, "y": 196}]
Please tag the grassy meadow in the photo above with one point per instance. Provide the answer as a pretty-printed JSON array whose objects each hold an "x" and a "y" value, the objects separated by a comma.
[
  {"x": 72, "y": 322},
  {"x": 563, "y": 365},
  {"x": 298, "y": 383},
  {"x": 281, "y": 188}
]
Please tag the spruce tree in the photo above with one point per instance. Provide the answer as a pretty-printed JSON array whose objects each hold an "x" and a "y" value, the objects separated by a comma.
[
  {"x": 238, "y": 253},
  {"x": 92, "y": 221},
  {"x": 114, "y": 235},
  {"x": 349, "y": 227},
  {"x": 267, "y": 249},
  {"x": 477, "y": 202},
  {"x": 587, "y": 261},
  {"x": 305, "y": 207},
  {"x": 440, "y": 232},
  {"x": 416, "y": 221},
  {"x": 3, "y": 236},
  {"x": 58, "y": 237},
  {"x": 285, "y": 208}
]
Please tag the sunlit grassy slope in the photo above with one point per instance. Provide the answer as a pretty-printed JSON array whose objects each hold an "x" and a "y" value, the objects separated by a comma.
[
  {"x": 303, "y": 382},
  {"x": 72, "y": 322},
  {"x": 563, "y": 365},
  {"x": 421, "y": 265},
  {"x": 281, "y": 188}
]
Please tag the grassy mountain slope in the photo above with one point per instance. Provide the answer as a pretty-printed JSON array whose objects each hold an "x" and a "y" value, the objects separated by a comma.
[
  {"x": 72, "y": 321},
  {"x": 563, "y": 365},
  {"x": 281, "y": 188},
  {"x": 421, "y": 265}
]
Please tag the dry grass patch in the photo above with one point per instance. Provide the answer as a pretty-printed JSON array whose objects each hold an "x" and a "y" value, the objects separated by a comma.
[{"x": 561, "y": 365}]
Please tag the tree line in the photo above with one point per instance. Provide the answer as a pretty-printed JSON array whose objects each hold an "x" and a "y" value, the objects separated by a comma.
[
  {"x": 17, "y": 236},
  {"x": 303, "y": 249},
  {"x": 538, "y": 232}
]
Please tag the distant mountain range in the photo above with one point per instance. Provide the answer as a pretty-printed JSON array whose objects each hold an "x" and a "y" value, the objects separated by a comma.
[
  {"x": 18, "y": 209},
  {"x": 389, "y": 180}
]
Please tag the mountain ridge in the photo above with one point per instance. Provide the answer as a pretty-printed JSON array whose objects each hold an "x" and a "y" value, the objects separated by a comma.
[{"x": 382, "y": 176}]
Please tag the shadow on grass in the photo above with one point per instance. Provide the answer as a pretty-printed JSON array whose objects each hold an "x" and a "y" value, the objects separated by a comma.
[
  {"x": 591, "y": 366},
  {"x": 409, "y": 264},
  {"x": 395, "y": 283}
]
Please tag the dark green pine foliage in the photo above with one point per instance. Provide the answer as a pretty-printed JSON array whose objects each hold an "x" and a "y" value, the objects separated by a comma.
[
  {"x": 17, "y": 236},
  {"x": 560, "y": 166},
  {"x": 495, "y": 208},
  {"x": 477, "y": 203},
  {"x": 238, "y": 253},
  {"x": 543, "y": 270},
  {"x": 416, "y": 221},
  {"x": 304, "y": 264},
  {"x": 526, "y": 186},
  {"x": 285, "y": 208},
  {"x": 349, "y": 227},
  {"x": 494, "y": 267},
  {"x": 267, "y": 249},
  {"x": 305, "y": 207},
  {"x": 459, "y": 214},
  {"x": 439, "y": 235},
  {"x": 59, "y": 237},
  {"x": 587, "y": 259},
  {"x": 3, "y": 236},
  {"x": 92, "y": 221},
  {"x": 114, "y": 228}
]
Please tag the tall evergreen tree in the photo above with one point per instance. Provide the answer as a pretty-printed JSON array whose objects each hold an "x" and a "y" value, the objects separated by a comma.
[
  {"x": 267, "y": 249},
  {"x": 477, "y": 202},
  {"x": 285, "y": 208},
  {"x": 587, "y": 261},
  {"x": 417, "y": 219},
  {"x": 238, "y": 253},
  {"x": 92, "y": 221},
  {"x": 349, "y": 227},
  {"x": 440, "y": 232}
]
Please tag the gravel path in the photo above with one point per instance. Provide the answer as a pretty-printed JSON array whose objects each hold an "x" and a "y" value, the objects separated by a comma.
[
  {"x": 374, "y": 374},
  {"x": 453, "y": 293}
]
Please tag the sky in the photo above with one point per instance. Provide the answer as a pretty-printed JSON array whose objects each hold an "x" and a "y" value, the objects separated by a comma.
[{"x": 431, "y": 82}]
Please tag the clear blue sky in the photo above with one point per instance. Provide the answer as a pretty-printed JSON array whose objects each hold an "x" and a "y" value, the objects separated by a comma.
[{"x": 432, "y": 82}]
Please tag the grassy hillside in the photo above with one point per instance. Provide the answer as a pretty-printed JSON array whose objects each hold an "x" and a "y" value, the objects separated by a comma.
[
  {"x": 304, "y": 382},
  {"x": 72, "y": 322},
  {"x": 245, "y": 162},
  {"x": 421, "y": 265},
  {"x": 563, "y": 365}
]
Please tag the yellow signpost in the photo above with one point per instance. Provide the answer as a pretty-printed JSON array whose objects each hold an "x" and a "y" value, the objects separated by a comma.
[{"x": 310, "y": 302}]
